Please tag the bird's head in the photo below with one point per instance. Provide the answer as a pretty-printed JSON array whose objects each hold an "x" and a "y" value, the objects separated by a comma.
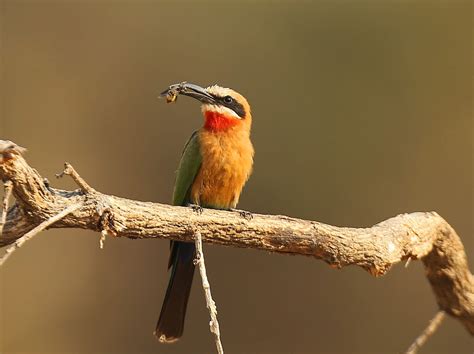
[{"x": 223, "y": 108}]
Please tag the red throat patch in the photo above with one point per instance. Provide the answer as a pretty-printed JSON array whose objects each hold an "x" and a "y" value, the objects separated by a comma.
[{"x": 218, "y": 122}]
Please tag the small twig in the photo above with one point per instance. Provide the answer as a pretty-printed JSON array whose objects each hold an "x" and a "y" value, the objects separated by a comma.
[
  {"x": 106, "y": 225},
  {"x": 211, "y": 305},
  {"x": 30, "y": 234},
  {"x": 8, "y": 186},
  {"x": 428, "y": 332},
  {"x": 70, "y": 171},
  {"x": 103, "y": 235}
]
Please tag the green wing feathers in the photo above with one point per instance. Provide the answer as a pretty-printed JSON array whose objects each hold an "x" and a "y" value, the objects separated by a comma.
[
  {"x": 188, "y": 169},
  {"x": 171, "y": 321}
]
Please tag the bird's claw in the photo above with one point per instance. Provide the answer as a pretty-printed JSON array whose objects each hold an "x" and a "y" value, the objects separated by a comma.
[
  {"x": 196, "y": 208},
  {"x": 247, "y": 215}
]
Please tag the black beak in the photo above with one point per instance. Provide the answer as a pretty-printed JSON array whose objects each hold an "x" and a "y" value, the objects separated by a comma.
[{"x": 190, "y": 90}]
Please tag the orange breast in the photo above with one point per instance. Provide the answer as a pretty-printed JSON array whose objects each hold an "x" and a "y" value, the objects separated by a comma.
[{"x": 227, "y": 159}]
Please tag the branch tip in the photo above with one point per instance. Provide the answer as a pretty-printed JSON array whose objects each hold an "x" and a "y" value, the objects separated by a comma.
[{"x": 103, "y": 235}]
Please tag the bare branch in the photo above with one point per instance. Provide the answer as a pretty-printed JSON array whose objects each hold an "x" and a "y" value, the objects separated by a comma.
[
  {"x": 428, "y": 332},
  {"x": 29, "y": 235},
  {"x": 211, "y": 305},
  {"x": 425, "y": 235}
]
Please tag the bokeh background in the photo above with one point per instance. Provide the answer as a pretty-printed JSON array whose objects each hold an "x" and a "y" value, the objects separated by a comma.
[{"x": 362, "y": 110}]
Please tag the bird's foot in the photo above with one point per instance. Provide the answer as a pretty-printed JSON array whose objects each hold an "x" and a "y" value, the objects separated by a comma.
[
  {"x": 247, "y": 215},
  {"x": 196, "y": 208}
]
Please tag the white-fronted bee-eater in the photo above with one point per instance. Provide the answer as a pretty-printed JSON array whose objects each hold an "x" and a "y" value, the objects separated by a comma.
[{"x": 215, "y": 164}]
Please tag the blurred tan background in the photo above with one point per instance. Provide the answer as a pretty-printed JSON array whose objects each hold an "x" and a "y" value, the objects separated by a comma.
[{"x": 362, "y": 110}]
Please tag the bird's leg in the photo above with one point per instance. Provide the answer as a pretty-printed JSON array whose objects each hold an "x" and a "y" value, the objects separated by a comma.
[
  {"x": 196, "y": 208},
  {"x": 247, "y": 215}
]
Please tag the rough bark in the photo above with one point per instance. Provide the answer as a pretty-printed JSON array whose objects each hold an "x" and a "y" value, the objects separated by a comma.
[{"x": 422, "y": 235}]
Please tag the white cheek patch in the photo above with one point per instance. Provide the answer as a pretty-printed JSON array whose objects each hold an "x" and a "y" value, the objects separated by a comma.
[{"x": 219, "y": 109}]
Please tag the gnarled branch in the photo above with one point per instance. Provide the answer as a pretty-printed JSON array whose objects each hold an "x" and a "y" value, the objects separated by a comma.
[{"x": 423, "y": 235}]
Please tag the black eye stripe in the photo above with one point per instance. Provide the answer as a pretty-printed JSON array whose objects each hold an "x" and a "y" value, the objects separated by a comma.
[{"x": 233, "y": 105}]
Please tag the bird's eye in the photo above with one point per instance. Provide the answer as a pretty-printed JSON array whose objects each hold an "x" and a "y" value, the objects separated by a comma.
[{"x": 228, "y": 99}]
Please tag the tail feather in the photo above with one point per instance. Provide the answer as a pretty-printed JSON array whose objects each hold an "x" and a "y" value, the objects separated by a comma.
[{"x": 171, "y": 322}]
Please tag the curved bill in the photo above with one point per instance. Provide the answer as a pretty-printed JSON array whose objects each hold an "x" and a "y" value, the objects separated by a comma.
[{"x": 187, "y": 89}]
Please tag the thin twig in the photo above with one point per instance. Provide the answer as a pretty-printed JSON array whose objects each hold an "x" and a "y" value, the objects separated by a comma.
[
  {"x": 211, "y": 305},
  {"x": 103, "y": 235},
  {"x": 70, "y": 171},
  {"x": 8, "y": 187},
  {"x": 29, "y": 235},
  {"x": 428, "y": 332}
]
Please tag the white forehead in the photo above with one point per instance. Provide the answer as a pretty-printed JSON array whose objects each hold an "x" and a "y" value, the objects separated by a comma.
[
  {"x": 219, "y": 109},
  {"x": 219, "y": 91}
]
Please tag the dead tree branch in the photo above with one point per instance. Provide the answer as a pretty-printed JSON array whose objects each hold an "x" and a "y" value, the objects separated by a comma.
[
  {"x": 210, "y": 304},
  {"x": 423, "y": 235}
]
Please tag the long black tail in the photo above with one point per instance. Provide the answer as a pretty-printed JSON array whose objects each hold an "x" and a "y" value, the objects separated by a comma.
[{"x": 171, "y": 322}]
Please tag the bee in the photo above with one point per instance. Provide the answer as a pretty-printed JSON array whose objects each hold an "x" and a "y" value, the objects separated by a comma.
[{"x": 171, "y": 94}]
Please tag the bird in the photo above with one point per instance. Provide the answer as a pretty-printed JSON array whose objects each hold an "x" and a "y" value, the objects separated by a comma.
[{"x": 215, "y": 164}]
